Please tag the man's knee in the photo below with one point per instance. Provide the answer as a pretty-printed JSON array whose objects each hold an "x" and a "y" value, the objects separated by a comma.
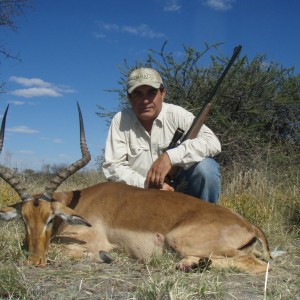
[
  {"x": 208, "y": 169},
  {"x": 204, "y": 180}
]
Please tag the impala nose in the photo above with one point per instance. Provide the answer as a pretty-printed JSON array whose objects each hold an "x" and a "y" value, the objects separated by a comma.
[{"x": 36, "y": 261}]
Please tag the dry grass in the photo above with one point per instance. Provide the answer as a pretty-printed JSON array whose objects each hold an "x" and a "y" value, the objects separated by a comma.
[{"x": 268, "y": 202}]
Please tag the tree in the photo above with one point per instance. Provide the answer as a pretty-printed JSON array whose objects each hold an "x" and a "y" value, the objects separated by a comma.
[
  {"x": 256, "y": 110},
  {"x": 9, "y": 11}
]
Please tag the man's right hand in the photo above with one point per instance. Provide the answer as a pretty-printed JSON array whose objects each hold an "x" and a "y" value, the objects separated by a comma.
[{"x": 158, "y": 171}]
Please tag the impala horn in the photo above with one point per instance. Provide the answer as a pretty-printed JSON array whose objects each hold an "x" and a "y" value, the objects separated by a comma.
[
  {"x": 79, "y": 164},
  {"x": 3, "y": 129},
  {"x": 9, "y": 175}
]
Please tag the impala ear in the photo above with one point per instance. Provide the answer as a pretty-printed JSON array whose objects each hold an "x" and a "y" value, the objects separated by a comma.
[
  {"x": 69, "y": 215},
  {"x": 74, "y": 220},
  {"x": 10, "y": 212}
]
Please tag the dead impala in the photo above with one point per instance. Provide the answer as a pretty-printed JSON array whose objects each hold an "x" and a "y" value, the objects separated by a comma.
[{"x": 112, "y": 215}]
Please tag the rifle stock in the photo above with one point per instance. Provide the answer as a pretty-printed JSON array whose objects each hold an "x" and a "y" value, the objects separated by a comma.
[{"x": 199, "y": 120}]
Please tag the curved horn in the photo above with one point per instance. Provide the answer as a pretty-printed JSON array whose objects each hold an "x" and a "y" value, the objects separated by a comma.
[
  {"x": 79, "y": 164},
  {"x": 9, "y": 175},
  {"x": 3, "y": 129}
]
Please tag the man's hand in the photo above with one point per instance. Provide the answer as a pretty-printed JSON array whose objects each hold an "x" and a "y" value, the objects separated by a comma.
[{"x": 157, "y": 173}]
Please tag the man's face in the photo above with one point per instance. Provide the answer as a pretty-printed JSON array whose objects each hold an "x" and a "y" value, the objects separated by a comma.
[{"x": 146, "y": 102}]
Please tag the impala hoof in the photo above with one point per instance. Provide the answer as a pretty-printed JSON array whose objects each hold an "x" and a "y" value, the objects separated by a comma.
[
  {"x": 105, "y": 257},
  {"x": 186, "y": 267},
  {"x": 191, "y": 264},
  {"x": 204, "y": 263}
]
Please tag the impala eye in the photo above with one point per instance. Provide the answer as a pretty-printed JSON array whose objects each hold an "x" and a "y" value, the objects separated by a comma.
[{"x": 50, "y": 221}]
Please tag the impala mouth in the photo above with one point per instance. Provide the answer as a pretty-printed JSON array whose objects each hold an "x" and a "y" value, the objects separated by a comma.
[{"x": 36, "y": 261}]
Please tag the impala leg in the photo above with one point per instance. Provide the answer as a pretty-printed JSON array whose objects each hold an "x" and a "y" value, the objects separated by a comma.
[
  {"x": 185, "y": 243},
  {"x": 79, "y": 251},
  {"x": 197, "y": 246},
  {"x": 80, "y": 242},
  {"x": 247, "y": 263}
]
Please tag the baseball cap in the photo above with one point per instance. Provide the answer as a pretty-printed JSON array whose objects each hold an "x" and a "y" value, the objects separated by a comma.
[{"x": 143, "y": 76}]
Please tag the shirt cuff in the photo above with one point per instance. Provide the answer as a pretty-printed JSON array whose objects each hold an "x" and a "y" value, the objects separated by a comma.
[{"x": 174, "y": 156}]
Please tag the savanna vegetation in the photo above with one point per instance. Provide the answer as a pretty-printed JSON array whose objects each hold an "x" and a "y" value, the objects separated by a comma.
[{"x": 256, "y": 115}]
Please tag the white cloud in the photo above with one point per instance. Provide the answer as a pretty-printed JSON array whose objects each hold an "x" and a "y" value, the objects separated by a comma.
[
  {"x": 30, "y": 81},
  {"x": 172, "y": 6},
  {"x": 219, "y": 4},
  {"x": 111, "y": 27},
  {"x": 141, "y": 30},
  {"x": 58, "y": 141},
  {"x": 25, "y": 152},
  {"x": 22, "y": 129},
  {"x": 36, "y": 92},
  {"x": 15, "y": 102},
  {"x": 35, "y": 87},
  {"x": 55, "y": 141},
  {"x": 100, "y": 35}
]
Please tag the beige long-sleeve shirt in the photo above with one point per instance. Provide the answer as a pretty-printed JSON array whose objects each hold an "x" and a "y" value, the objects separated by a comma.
[{"x": 130, "y": 150}]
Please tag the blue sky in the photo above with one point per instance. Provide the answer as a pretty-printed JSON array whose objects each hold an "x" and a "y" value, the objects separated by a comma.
[{"x": 70, "y": 51}]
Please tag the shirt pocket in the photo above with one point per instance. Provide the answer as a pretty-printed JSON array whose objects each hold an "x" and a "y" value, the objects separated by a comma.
[
  {"x": 139, "y": 158},
  {"x": 136, "y": 149}
]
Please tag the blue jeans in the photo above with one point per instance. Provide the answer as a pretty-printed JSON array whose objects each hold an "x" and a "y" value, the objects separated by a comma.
[{"x": 201, "y": 180}]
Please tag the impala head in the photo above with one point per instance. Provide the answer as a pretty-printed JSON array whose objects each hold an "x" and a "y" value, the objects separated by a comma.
[{"x": 38, "y": 213}]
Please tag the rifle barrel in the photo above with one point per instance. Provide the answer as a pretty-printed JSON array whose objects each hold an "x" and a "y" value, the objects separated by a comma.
[
  {"x": 207, "y": 104},
  {"x": 199, "y": 120}
]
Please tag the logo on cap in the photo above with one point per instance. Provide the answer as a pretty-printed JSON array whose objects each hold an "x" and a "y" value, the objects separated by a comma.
[{"x": 142, "y": 76}]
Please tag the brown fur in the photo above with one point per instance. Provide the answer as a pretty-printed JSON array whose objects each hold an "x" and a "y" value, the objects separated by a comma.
[{"x": 143, "y": 222}]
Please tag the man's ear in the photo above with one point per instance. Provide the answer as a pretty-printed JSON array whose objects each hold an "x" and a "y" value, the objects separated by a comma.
[
  {"x": 129, "y": 98},
  {"x": 163, "y": 93},
  {"x": 11, "y": 212},
  {"x": 68, "y": 215}
]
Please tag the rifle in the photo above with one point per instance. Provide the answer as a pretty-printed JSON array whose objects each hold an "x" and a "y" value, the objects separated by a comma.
[{"x": 198, "y": 121}]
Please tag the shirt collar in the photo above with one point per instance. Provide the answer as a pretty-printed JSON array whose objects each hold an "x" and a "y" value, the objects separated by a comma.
[{"x": 161, "y": 115}]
